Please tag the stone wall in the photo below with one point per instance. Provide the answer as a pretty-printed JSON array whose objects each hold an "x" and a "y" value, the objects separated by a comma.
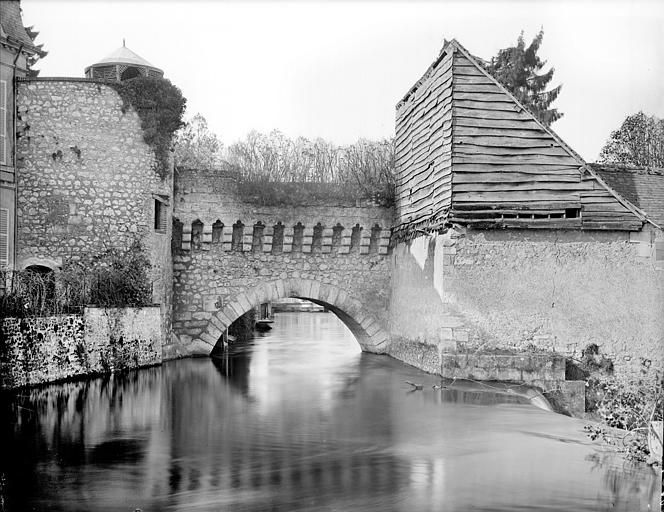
[
  {"x": 212, "y": 268},
  {"x": 86, "y": 179},
  {"x": 514, "y": 289},
  {"x": 47, "y": 349}
]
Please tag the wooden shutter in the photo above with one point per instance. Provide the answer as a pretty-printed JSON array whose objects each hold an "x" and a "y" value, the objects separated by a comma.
[
  {"x": 3, "y": 123},
  {"x": 160, "y": 215},
  {"x": 4, "y": 237}
]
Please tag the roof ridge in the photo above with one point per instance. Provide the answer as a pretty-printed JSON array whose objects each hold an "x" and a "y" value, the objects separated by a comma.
[{"x": 617, "y": 167}]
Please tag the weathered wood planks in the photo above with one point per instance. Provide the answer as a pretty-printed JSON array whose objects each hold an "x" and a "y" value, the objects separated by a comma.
[
  {"x": 466, "y": 151},
  {"x": 423, "y": 146}
]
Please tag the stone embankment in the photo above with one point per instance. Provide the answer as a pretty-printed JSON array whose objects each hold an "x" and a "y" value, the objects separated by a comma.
[{"x": 101, "y": 340}]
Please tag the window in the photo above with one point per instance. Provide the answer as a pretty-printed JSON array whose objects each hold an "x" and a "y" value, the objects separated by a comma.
[
  {"x": 3, "y": 123},
  {"x": 659, "y": 252},
  {"x": 4, "y": 237},
  {"x": 160, "y": 216}
]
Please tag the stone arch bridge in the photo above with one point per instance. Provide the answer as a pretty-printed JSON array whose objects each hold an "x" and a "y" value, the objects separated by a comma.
[{"x": 233, "y": 251}]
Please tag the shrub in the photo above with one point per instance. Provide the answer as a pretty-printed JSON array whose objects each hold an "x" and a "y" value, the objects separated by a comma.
[
  {"x": 626, "y": 407},
  {"x": 115, "y": 278},
  {"x": 161, "y": 106}
]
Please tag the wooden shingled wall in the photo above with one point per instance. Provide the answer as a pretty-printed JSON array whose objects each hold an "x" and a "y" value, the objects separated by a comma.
[
  {"x": 423, "y": 147},
  {"x": 468, "y": 153}
]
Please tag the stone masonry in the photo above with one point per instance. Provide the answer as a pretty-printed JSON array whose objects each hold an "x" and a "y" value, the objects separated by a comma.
[
  {"x": 471, "y": 292},
  {"x": 87, "y": 180},
  {"x": 233, "y": 254},
  {"x": 47, "y": 349}
]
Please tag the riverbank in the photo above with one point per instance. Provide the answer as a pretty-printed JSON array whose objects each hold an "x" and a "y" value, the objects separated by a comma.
[{"x": 299, "y": 418}]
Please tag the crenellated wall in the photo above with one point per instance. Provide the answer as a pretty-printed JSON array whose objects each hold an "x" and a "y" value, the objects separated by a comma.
[{"x": 232, "y": 251}]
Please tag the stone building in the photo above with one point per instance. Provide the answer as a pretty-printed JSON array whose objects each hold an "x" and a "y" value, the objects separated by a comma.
[
  {"x": 18, "y": 52},
  {"x": 85, "y": 179},
  {"x": 505, "y": 237}
]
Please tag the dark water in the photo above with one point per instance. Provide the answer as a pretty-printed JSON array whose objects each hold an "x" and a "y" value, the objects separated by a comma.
[{"x": 301, "y": 420}]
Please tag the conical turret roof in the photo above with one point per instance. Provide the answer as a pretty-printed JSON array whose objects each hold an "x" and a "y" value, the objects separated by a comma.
[{"x": 123, "y": 56}]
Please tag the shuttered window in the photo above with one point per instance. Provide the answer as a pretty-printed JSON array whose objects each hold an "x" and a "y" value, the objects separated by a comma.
[
  {"x": 4, "y": 237},
  {"x": 160, "y": 216},
  {"x": 3, "y": 123}
]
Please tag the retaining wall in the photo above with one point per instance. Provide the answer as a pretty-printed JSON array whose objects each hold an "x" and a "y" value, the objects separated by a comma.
[{"x": 40, "y": 350}]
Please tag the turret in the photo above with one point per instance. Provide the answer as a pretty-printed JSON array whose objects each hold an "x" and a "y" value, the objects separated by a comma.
[{"x": 122, "y": 64}]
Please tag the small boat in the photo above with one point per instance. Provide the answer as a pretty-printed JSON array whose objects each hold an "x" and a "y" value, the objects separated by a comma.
[{"x": 264, "y": 324}]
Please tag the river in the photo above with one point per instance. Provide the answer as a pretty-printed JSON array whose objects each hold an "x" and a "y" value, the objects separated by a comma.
[{"x": 299, "y": 419}]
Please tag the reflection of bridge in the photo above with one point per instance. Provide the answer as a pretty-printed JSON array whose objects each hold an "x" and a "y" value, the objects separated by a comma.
[{"x": 231, "y": 254}]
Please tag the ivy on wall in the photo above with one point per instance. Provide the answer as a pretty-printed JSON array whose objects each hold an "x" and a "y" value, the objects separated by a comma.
[{"x": 161, "y": 106}]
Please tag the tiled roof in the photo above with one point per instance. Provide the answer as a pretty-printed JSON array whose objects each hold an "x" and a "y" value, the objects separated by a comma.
[
  {"x": 641, "y": 187},
  {"x": 12, "y": 24}
]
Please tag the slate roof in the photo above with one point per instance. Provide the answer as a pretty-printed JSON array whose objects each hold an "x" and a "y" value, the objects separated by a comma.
[
  {"x": 11, "y": 25},
  {"x": 643, "y": 188}
]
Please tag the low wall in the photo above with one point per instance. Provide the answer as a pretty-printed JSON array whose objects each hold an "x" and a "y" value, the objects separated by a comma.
[{"x": 40, "y": 350}]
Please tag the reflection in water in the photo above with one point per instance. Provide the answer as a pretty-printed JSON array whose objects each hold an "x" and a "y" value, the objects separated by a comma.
[{"x": 299, "y": 419}]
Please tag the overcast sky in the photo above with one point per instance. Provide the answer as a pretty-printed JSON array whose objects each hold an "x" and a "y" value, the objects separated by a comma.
[{"x": 337, "y": 69}]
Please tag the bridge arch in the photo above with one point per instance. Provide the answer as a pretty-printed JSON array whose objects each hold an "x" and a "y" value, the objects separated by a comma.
[{"x": 366, "y": 328}]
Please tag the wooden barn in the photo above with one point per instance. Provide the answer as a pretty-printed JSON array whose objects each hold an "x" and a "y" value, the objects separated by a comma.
[{"x": 469, "y": 153}]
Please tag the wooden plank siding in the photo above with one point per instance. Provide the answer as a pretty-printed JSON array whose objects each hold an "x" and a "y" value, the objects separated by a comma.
[
  {"x": 467, "y": 152},
  {"x": 423, "y": 147},
  {"x": 509, "y": 171}
]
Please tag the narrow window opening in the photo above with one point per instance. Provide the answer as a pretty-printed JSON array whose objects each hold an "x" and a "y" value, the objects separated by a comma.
[
  {"x": 337, "y": 232},
  {"x": 257, "y": 239},
  {"x": 129, "y": 73},
  {"x": 317, "y": 242},
  {"x": 160, "y": 216},
  {"x": 298, "y": 235},
  {"x": 355, "y": 237},
  {"x": 278, "y": 238},
  {"x": 196, "y": 234},
  {"x": 572, "y": 213},
  {"x": 238, "y": 233},
  {"x": 375, "y": 237},
  {"x": 176, "y": 237},
  {"x": 217, "y": 232}
]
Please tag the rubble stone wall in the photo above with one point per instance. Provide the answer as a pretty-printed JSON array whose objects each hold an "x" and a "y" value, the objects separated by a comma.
[
  {"x": 47, "y": 349},
  {"x": 86, "y": 179}
]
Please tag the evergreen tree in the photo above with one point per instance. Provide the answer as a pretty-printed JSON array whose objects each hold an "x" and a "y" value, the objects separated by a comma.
[
  {"x": 517, "y": 68},
  {"x": 638, "y": 142}
]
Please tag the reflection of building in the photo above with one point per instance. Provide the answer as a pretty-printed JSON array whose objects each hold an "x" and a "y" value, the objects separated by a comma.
[
  {"x": 122, "y": 64},
  {"x": 18, "y": 52}
]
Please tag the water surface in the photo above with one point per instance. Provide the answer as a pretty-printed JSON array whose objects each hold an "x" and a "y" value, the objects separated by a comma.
[{"x": 298, "y": 420}]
